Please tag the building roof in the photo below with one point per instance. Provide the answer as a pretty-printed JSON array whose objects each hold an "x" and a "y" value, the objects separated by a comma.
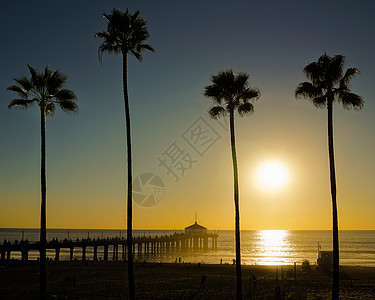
[{"x": 195, "y": 226}]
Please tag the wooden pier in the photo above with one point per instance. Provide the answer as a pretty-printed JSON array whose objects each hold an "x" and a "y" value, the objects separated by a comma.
[{"x": 141, "y": 246}]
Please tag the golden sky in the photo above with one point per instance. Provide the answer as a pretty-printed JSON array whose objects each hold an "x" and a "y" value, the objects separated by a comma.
[{"x": 86, "y": 170}]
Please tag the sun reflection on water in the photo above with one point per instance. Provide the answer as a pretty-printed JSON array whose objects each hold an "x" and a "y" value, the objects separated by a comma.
[
  {"x": 271, "y": 248},
  {"x": 273, "y": 238},
  {"x": 272, "y": 245}
]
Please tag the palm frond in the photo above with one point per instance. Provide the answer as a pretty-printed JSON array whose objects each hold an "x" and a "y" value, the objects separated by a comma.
[
  {"x": 240, "y": 81},
  {"x": 135, "y": 15},
  {"x": 126, "y": 33},
  {"x": 349, "y": 74},
  {"x": 68, "y": 106},
  {"x": 47, "y": 72},
  {"x": 231, "y": 92},
  {"x": 217, "y": 111},
  {"x": 215, "y": 92},
  {"x": 250, "y": 94},
  {"x": 334, "y": 69},
  {"x": 102, "y": 34},
  {"x": 137, "y": 55},
  {"x": 50, "y": 109},
  {"x": 225, "y": 79},
  {"x": 144, "y": 47},
  {"x": 55, "y": 81},
  {"x": 324, "y": 59},
  {"x": 245, "y": 109},
  {"x": 20, "y": 91},
  {"x": 341, "y": 90},
  {"x": 24, "y": 83},
  {"x": 328, "y": 82},
  {"x": 109, "y": 44},
  {"x": 34, "y": 75},
  {"x": 45, "y": 87},
  {"x": 106, "y": 16},
  {"x": 108, "y": 48},
  {"x": 319, "y": 102},
  {"x": 139, "y": 49},
  {"x": 21, "y": 103},
  {"x": 307, "y": 90},
  {"x": 326, "y": 71},
  {"x": 65, "y": 94},
  {"x": 313, "y": 72},
  {"x": 351, "y": 101}
]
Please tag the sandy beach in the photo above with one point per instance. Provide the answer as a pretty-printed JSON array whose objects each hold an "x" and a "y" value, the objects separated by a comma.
[{"x": 108, "y": 280}]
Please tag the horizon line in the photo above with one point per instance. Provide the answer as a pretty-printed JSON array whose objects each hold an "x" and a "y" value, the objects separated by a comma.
[{"x": 175, "y": 229}]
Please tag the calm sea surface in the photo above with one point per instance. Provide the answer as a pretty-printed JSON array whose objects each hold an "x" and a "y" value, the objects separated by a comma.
[{"x": 263, "y": 247}]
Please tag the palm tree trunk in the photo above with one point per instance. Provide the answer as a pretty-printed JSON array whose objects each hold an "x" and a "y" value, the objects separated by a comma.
[
  {"x": 237, "y": 209},
  {"x": 129, "y": 229},
  {"x": 43, "y": 223},
  {"x": 335, "y": 231}
]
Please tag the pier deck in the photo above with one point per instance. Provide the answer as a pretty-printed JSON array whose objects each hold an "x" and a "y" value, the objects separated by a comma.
[{"x": 142, "y": 246}]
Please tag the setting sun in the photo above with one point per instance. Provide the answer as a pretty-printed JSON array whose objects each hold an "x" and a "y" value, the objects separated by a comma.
[{"x": 272, "y": 175}]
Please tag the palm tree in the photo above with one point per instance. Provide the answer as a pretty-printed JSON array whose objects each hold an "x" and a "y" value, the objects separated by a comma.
[
  {"x": 328, "y": 85},
  {"x": 126, "y": 34},
  {"x": 230, "y": 92},
  {"x": 45, "y": 90}
]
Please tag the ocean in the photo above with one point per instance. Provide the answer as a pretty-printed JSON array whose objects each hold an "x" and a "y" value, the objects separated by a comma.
[{"x": 261, "y": 247}]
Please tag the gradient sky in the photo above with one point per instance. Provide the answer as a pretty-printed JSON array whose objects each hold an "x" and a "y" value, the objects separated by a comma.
[{"x": 270, "y": 40}]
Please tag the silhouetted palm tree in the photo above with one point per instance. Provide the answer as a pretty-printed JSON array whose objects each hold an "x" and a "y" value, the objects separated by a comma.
[
  {"x": 126, "y": 34},
  {"x": 230, "y": 92},
  {"x": 329, "y": 84},
  {"x": 45, "y": 90}
]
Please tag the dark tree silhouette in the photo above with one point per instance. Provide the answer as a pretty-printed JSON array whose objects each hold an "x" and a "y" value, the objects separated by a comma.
[
  {"x": 328, "y": 85},
  {"x": 46, "y": 90},
  {"x": 126, "y": 34},
  {"x": 230, "y": 92}
]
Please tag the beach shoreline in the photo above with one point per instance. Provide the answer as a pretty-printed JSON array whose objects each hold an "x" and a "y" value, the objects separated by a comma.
[{"x": 104, "y": 280}]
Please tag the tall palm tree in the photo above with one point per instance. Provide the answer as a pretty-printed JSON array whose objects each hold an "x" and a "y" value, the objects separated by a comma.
[
  {"x": 46, "y": 90},
  {"x": 328, "y": 85},
  {"x": 230, "y": 93},
  {"x": 126, "y": 34}
]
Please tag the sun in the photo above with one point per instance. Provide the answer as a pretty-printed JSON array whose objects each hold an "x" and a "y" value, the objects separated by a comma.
[{"x": 272, "y": 175}]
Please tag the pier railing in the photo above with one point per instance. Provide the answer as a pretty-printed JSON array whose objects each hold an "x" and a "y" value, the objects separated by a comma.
[{"x": 141, "y": 246}]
